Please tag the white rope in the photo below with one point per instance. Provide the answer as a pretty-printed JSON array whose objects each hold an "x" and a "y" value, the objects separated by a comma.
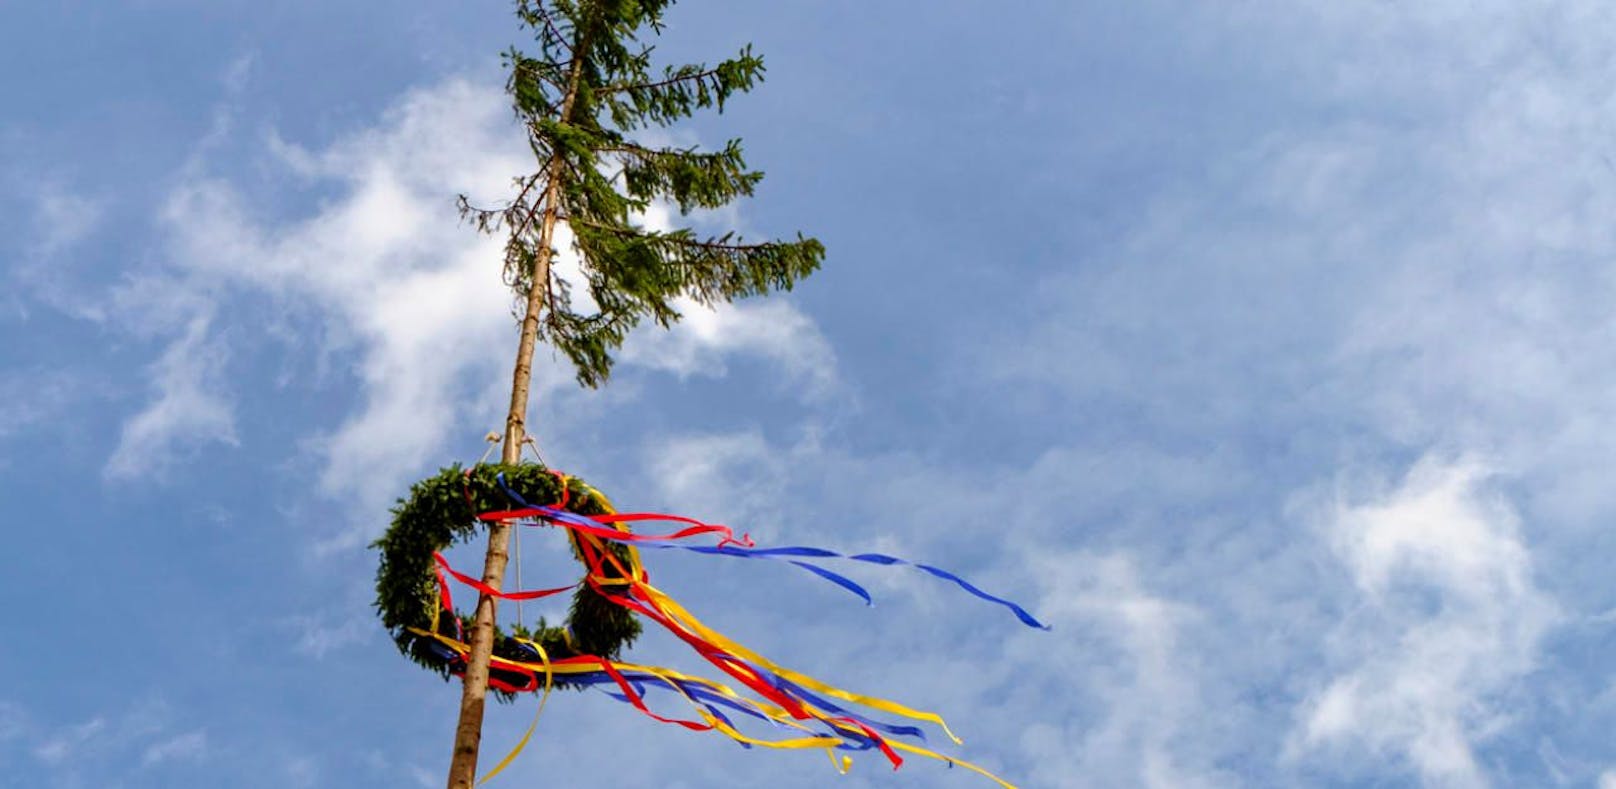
[
  {"x": 493, "y": 440},
  {"x": 534, "y": 445},
  {"x": 518, "y": 538},
  {"x": 528, "y": 443}
]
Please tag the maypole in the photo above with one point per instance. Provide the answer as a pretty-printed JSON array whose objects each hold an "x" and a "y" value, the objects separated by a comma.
[
  {"x": 580, "y": 100},
  {"x": 474, "y": 694}
]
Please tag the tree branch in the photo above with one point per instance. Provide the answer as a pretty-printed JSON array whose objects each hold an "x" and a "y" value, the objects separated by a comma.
[
  {"x": 694, "y": 243},
  {"x": 551, "y": 30},
  {"x": 624, "y": 88}
]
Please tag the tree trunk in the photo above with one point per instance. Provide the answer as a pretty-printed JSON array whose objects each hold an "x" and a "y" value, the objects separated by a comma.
[{"x": 474, "y": 694}]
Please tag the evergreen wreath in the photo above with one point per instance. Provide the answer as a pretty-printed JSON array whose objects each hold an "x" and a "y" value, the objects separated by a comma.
[
  {"x": 442, "y": 510},
  {"x": 412, "y": 598}
]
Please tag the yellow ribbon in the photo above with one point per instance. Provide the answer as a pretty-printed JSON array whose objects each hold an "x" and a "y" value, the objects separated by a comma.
[
  {"x": 549, "y": 682},
  {"x": 680, "y": 616},
  {"x": 669, "y": 677},
  {"x": 918, "y": 751},
  {"x": 685, "y": 618},
  {"x": 672, "y": 678}
]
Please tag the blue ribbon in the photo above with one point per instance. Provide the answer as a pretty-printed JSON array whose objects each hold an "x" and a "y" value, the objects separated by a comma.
[{"x": 793, "y": 554}]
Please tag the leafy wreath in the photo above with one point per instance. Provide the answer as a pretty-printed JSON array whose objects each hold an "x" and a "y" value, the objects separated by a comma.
[
  {"x": 412, "y": 597},
  {"x": 443, "y": 510}
]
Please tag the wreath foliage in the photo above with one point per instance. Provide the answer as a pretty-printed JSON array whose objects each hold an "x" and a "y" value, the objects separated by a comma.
[{"x": 442, "y": 510}]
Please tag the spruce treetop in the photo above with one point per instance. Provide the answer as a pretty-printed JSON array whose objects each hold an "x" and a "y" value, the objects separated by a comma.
[{"x": 590, "y": 85}]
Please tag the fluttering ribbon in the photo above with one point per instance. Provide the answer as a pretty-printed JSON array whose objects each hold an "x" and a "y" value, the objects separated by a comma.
[
  {"x": 816, "y": 714},
  {"x": 730, "y": 546},
  {"x": 532, "y": 594},
  {"x": 549, "y": 683}
]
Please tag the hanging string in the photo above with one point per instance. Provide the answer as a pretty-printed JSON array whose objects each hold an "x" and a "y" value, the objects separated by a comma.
[
  {"x": 518, "y": 538},
  {"x": 534, "y": 445},
  {"x": 493, "y": 440},
  {"x": 527, "y": 444}
]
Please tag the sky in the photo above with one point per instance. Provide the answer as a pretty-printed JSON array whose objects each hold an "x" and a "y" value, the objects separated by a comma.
[{"x": 1265, "y": 349}]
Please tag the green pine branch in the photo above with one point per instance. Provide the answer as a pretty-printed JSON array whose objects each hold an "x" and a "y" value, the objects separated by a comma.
[
  {"x": 580, "y": 98},
  {"x": 682, "y": 90},
  {"x": 687, "y": 177}
]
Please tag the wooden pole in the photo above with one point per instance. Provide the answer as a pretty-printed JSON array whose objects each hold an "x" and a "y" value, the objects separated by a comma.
[{"x": 474, "y": 695}]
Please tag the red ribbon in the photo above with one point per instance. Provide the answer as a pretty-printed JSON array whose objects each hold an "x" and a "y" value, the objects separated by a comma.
[
  {"x": 696, "y": 527},
  {"x": 533, "y": 594}
]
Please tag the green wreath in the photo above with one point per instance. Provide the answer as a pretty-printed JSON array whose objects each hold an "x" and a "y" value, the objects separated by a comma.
[{"x": 441, "y": 511}]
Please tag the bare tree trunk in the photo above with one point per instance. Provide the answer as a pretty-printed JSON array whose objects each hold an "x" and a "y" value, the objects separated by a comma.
[{"x": 474, "y": 694}]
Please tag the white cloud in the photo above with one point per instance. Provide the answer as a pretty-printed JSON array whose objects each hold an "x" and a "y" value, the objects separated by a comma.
[
  {"x": 13, "y": 722},
  {"x": 774, "y": 330},
  {"x": 187, "y": 747},
  {"x": 386, "y": 263},
  {"x": 188, "y": 408},
  {"x": 734, "y": 477},
  {"x": 393, "y": 275},
  {"x": 1114, "y": 691},
  {"x": 109, "y": 743},
  {"x": 1413, "y": 257},
  {"x": 1450, "y": 619},
  {"x": 318, "y": 636},
  {"x": 1362, "y": 278},
  {"x": 1133, "y": 660},
  {"x": 68, "y": 743},
  {"x": 36, "y": 399},
  {"x": 63, "y": 219}
]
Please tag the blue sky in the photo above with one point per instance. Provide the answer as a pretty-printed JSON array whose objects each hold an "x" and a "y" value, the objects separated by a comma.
[{"x": 1263, "y": 348}]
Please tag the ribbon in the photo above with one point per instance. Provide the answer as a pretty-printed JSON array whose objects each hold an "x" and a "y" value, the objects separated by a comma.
[
  {"x": 731, "y": 547},
  {"x": 489, "y": 590},
  {"x": 728, "y": 545},
  {"x": 528, "y": 735},
  {"x": 789, "y": 699}
]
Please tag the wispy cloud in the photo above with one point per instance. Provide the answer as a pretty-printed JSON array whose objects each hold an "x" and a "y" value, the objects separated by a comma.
[
  {"x": 316, "y": 636},
  {"x": 188, "y": 407},
  {"x": 394, "y": 276},
  {"x": 188, "y": 747},
  {"x": 63, "y": 218},
  {"x": 1450, "y": 617},
  {"x": 734, "y": 476},
  {"x": 772, "y": 330},
  {"x": 12, "y": 721},
  {"x": 1136, "y": 667},
  {"x": 33, "y": 400},
  {"x": 61, "y": 745},
  {"x": 1383, "y": 233},
  {"x": 109, "y": 743}
]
